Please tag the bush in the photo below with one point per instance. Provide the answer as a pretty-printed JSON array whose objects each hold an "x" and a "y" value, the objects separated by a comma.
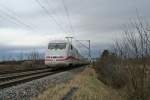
[{"x": 107, "y": 70}]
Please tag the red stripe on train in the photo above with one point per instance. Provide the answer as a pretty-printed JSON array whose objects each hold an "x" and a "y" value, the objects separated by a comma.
[
  {"x": 61, "y": 59},
  {"x": 71, "y": 57}
]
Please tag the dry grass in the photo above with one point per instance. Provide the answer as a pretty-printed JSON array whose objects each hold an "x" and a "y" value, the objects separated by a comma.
[
  {"x": 90, "y": 88},
  {"x": 8, "y": 67}
]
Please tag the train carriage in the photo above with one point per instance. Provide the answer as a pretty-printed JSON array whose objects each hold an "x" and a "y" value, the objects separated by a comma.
[{"x": 62, "y": 53}]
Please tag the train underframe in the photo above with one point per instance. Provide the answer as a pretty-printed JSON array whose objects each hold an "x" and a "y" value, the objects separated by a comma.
[{"x": 63, "y": 64}]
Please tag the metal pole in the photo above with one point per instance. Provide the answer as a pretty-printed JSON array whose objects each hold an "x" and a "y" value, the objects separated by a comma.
[
  {"x": 69, "y": 39},
  {"x": 89, "y": 50}
]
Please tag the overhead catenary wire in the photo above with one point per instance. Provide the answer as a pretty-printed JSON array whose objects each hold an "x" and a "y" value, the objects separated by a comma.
[
  {"x": 49, "y": 15},
  {"x": 81, "y": 44},
  {"x": 66, "y": 13},
  {"x": 13, "y": 22},
  {"x": 87, "y": 47},
  {"x": 14, "y": 19},
  {"x": 53, "y": 12},
  {"x": 18, "y": 17},
  {"x": 68, "y": 16}
]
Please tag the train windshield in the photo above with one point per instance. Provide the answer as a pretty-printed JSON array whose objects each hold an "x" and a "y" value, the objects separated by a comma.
[{"x": 57, "y": 46}]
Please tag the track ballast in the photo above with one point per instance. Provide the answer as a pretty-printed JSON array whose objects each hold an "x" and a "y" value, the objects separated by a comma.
[{"x": 15, "y": 78}]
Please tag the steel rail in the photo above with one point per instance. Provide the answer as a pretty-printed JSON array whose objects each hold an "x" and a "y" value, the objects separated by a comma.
[
  {"x": 6, "y": 77},
  {"x": 24, "y": 77},
  {"x": 16, "y": 81}
]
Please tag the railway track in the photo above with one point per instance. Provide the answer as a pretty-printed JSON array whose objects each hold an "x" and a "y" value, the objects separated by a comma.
[
  {"x": 15, "y": 78},
  {"x": 12, "y": 79}
]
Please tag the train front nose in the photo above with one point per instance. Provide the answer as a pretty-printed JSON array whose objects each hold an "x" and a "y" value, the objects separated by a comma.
[{"x": 55, "y": 61}]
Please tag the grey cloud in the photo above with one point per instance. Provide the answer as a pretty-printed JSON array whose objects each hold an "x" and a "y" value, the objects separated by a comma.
[
  {"x": 96, "y": 13},
  {"x": 89, "y": 18}
]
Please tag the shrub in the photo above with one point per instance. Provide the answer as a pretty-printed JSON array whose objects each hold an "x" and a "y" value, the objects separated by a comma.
[{"x": 107, "y": 70}]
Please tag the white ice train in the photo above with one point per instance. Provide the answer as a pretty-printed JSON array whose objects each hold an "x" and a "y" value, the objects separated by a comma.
[{"x": 62, "y": 53}]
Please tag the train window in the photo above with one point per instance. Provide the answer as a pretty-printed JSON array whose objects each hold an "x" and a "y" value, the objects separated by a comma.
[{"x": 57, "y": 46}]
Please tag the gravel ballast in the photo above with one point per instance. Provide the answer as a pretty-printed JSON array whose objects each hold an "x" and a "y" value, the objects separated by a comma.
[{"x": 33, "y": 88}]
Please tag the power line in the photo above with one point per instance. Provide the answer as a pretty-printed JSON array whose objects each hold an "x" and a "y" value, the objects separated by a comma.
[
  {"x": 87, "y": 47},
  {"x": 49, "y": 15},
  {"x": 66, "y": 13},
  {"x": 68, "y": 16},
  {"x": 15, "y": 19},
  {"x": 17, "y": 16},
  {"x": 53, "y": 11},
  {"x": 9, "y": 20},
  {"x": 82, "y": 44}
]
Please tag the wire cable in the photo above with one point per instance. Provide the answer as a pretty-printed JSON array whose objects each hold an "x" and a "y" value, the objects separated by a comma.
[
  {"x": 82, "y": 44},
  {"x": 2, "y": 17},
  {"x": 17, "y": 16},
  {"x": 68, "y": 16},
  {"x": 15, "y": 19},
  {"x": 49, "y": 15},
  {"x": 50, "y": 6}
]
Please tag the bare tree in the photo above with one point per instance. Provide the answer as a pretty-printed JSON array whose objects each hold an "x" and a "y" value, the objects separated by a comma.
[
  {"x": 34, "y": 55},
  {"x": 134, "y": 50}
]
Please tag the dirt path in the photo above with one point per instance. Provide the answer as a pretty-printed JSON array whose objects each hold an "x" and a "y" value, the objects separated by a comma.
[{"x": 88, "y": 88}]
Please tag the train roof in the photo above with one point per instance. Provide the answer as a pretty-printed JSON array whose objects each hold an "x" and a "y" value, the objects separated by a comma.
[{"x": 58, "y": 41}]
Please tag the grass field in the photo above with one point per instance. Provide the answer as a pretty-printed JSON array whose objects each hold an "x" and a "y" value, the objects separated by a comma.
[
  {"x": 89, "y": 88},
  {"x": 10, "y": 66}
]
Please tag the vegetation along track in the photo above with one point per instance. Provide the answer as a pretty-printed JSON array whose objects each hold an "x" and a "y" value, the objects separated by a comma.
[{"x": 12, "y": 79}]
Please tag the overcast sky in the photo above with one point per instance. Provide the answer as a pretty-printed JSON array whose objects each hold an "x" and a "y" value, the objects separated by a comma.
[{"x": 26, "y": 23}]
